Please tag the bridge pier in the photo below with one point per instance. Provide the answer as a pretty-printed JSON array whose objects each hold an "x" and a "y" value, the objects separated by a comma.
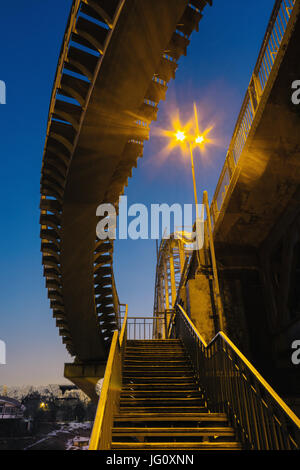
[
  {"x": 86, "y": 376},
  {"x": 199, "y": 305}
]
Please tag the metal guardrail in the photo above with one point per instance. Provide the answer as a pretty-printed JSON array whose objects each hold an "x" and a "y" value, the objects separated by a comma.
[
  {"x": 118, "y": 307},
  {"x": 110, "y": 393},
  {"x": 146, "y": 328},
  {"x": 108, "y": 405},
  {"x": 273, "y": 40},
  {"x": 234, "y": 386},
  {"x": 10, "y": 413}
]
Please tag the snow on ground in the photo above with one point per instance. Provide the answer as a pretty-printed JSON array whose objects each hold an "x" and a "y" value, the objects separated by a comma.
[
  {"x": 82, "y": 443},
  {"x": 66, "y": 435},
  {"x": 86, "y": 425}
]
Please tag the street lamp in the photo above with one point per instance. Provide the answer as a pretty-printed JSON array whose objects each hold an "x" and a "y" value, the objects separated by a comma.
[
  {"x": 200, "y": 139},
  {"x": 191, "y": 140},
  {"x": 183, "y": 136}
]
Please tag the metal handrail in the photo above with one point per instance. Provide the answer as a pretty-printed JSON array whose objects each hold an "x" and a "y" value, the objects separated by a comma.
[
  {"x": 234, "y": 386},
  {"x": 116, "y": 301},
  {"x": 146, "y": 328},
  {"x": 275, "y": 39},
  {"x": 123, "y": 333},
  {"x": 108, "y": 403}
]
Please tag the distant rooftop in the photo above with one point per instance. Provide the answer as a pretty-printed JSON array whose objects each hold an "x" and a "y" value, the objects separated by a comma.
[{"x": 11, "y": 401}]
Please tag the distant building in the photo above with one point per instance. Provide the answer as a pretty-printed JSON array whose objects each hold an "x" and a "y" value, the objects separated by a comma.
[
  {"x": 80, "y": 441},
  {"x": 67, "y": 388},
  {"x": 10, "y": 408},
  {"x": 12, "y": 423}
]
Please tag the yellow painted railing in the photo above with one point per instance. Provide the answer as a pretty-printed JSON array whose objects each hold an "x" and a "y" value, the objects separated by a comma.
[
  {"x": 110, "y": 393},
  {"x": 233, "y": 385},
  {"x": 147, "y": 328},
  {"x": 276, "y": 38}
]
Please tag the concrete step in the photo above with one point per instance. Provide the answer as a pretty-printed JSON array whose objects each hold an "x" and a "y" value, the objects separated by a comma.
[
  {"x": 156, "y": 373},
  {"x": 159, "y": 362},
  {"x": 163, "y": 409},
  {"x": 160, "y": 393},
  {"x": 166, "y": 417},
  {"x": 173, "y": 432},
  {"x": 128, "y": 379},
  {"x": 155, "y": 365},
  {"x": 167, "y": 401},
  {"x": 159, "y": 386},
  {"x": 212, "y": 446},
  {"x": 162, "y": 406}
]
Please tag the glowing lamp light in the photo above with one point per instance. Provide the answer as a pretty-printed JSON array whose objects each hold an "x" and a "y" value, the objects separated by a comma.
[
  {"x": 200, "y": 139},
  {"x": 180, "y": 136}
]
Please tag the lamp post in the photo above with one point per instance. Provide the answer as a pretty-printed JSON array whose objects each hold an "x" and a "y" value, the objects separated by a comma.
[{"x": 198, "y": 140}]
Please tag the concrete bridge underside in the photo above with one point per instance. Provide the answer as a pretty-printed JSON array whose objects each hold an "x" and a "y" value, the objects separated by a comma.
[
  {"x": 102, "y": 161},
  {"x": 266, "y": 182},
  {"x": 115, "y": 63}
]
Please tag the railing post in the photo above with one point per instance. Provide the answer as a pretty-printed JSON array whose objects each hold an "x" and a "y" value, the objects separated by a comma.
[
  {"x": 257, "y": 86},
  {"x": 214, "y": 265},
  {"x": 165, "y": 325},
  {"x": 230, "y": 163},
  {"x": 215, "y": 211},
  {"x": 251, "y": 101}
]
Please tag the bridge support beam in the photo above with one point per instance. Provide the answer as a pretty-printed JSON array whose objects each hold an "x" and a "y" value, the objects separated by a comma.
[
  {"x": 86, "y": 376},
  {"x": 199, "y": 305}
]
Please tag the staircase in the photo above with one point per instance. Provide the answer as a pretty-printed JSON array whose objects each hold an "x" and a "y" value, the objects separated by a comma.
[{"x": 162, "y": 406}]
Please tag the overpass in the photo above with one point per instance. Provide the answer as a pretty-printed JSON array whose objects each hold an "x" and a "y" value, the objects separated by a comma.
[{"x": 116, "y": 60}]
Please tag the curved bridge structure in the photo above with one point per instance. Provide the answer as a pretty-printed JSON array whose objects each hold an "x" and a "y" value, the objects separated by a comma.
[
  {"x": 115, "y": 62},
  {"x": 171, "y": 261}
]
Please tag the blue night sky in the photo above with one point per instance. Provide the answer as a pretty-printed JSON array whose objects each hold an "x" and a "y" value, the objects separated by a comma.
[{"x": 215, "y": 74}]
